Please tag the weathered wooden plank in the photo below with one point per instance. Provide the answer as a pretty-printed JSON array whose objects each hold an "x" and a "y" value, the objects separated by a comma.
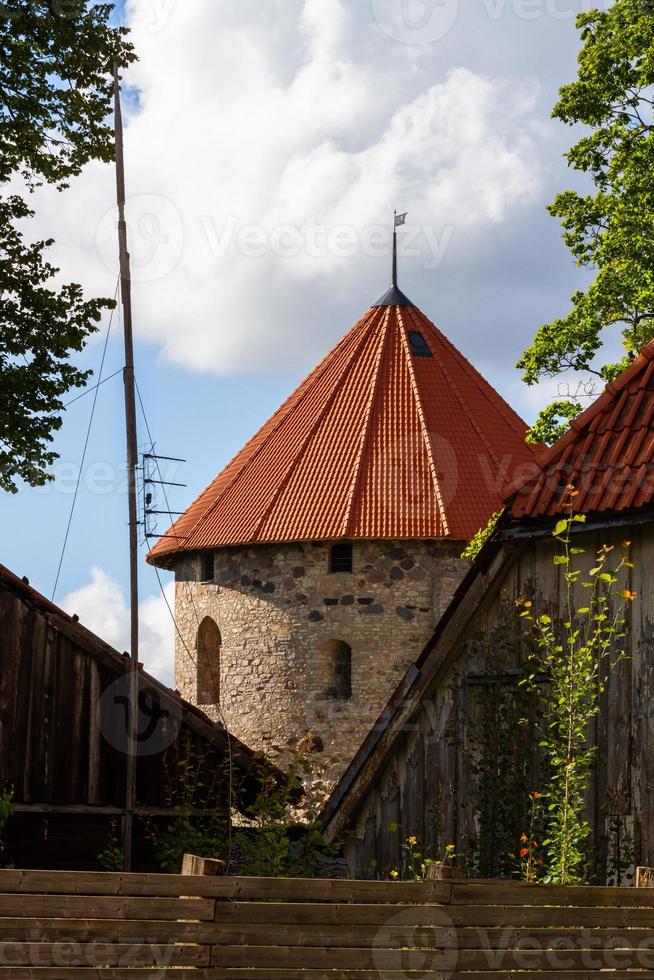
[
  {"x": 399, "y": 930},
  {"x": 267, "y": 973},
  {"x": 332, "y": 958},
  {"x": 36, "y": 785},
  {"x": 596, "y": 960},
  {"x": 73, "y": 955},
  {"x": 460, "y": 915},
  {"x": 90, "y": 930},
  {"x": 382, "y": 958},
  {"x": 388, "y": 837},
  {"x": 14, "y": 698},
  {"x": 317, "y": 913},
  {"x": 510, "y": 893},
  {"x": 642, "y": 728},
  {"x": 108, "y": 973},
  {"x": 554, "y": 916},
  {"x": 105, "y": 906},
  {"x": 218, "y": 973},
  {"x": 412, "y": 789},
  {"x": 271, "y": 974},
  {"x": 297, "y": 889},
  {"x": 403, "y": 932}
]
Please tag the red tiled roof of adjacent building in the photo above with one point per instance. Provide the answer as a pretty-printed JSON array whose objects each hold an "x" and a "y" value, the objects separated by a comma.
[
  {"x": 382, "y": 440},
  {"x": 607, "y": 454}
]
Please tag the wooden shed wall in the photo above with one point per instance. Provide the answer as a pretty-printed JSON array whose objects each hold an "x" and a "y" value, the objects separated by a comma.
[
  {"x": 62, "y": 738},
  {"x": 424, "y": 786}
]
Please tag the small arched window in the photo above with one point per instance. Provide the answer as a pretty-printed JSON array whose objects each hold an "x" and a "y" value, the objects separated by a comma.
[
  {"x": 335, "y": 671},
  {"x": 208, "y": 646}
]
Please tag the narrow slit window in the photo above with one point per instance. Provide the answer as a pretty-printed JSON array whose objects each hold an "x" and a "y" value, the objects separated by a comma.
[
  {"x": 206, "y": 566},
  {"x": 418, "y": 344},
  {"x": 208, "y": 643},
  {"x": 334, "y": 671},
  {"x": 340, "y": 558}
]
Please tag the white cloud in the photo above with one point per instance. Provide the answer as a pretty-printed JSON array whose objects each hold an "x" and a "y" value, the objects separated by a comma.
[
  {"x": 102, "y": 607},
  {"x": 285, "y": 120}
]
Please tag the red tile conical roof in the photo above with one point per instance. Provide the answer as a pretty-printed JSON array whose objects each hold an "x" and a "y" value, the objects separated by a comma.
[{"x": 393, "y": 435}]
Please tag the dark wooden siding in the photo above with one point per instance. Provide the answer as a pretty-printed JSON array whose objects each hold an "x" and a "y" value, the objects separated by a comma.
[
  {"x": 63, "y": 735},
  {"x": 424, "y": 782}
]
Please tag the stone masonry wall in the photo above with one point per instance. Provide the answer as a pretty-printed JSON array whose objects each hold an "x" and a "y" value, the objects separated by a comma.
[{"x": 279, "y": 610}]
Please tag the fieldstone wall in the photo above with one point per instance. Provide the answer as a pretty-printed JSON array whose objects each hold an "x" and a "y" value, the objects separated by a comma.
[{"x": 284, "y": 619}]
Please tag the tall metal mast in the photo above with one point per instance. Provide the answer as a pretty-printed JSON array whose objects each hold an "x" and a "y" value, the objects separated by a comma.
[
  {"x": 394, "y": 275},
  {"x": 398, "y": 219},
  {"x": 132, "y": 462}
]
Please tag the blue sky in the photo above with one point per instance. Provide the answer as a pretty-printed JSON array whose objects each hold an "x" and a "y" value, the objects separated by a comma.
[{"x": 268, "y": 144}]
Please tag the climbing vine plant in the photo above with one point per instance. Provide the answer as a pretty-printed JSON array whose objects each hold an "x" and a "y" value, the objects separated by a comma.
[{"x": 569, "y": 664}]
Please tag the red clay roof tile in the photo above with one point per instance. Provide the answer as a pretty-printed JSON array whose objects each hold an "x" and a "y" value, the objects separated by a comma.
[
  {"x": 376, "y": 443},
  {"x": 607, "y": 454}
]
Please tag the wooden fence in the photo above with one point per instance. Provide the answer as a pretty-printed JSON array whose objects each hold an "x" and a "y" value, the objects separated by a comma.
[{"x": 67, "y": 925}]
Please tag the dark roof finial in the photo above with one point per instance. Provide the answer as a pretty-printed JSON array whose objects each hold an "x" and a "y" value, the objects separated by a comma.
[{"x": 394, "y": 296}]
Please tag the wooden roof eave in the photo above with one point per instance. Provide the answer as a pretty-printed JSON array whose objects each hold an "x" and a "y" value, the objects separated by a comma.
[{"x": 537, "y": 528}]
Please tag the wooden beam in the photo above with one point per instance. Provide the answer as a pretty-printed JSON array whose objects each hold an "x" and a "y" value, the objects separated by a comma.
[
  {"x": 192, "y": 864},
  {"x": 644, "y": 877},
  {"x": 81, "y": 809}
]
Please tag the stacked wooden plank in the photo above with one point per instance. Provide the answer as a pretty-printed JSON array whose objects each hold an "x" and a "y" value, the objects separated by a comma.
[{"x": 64, "y": 925}]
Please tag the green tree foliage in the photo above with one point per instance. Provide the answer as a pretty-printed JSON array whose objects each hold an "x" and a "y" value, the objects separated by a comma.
[
  {"x": 55, "y": 98},
  {"x": 609, "y": 231}
]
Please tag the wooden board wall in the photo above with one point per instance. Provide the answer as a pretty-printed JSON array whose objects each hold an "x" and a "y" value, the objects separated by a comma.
[
  {"x": 65, "y": 926},
  {"x": 423, "y": 786},
  {"x": 62, "y": 739}
]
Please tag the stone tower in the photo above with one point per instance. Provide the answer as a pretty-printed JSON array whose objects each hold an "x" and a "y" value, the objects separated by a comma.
[{"x": 313, "y": 569}]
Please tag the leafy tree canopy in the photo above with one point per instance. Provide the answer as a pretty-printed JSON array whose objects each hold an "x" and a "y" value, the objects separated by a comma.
[
  {"x": 56, "y": 63},
  {"x": 611, "y": 230}
]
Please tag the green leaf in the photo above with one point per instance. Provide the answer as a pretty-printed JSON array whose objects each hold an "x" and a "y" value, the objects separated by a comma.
[{"x": 55, "y": 117}]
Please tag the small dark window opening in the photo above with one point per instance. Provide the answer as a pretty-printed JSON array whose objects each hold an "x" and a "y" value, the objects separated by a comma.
[
  {"x": 206, "y": 566},
  {"x": 418, "y": 344},
  {"x": 340, "y": 558},
  {"x": 336, "y": 668}
]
